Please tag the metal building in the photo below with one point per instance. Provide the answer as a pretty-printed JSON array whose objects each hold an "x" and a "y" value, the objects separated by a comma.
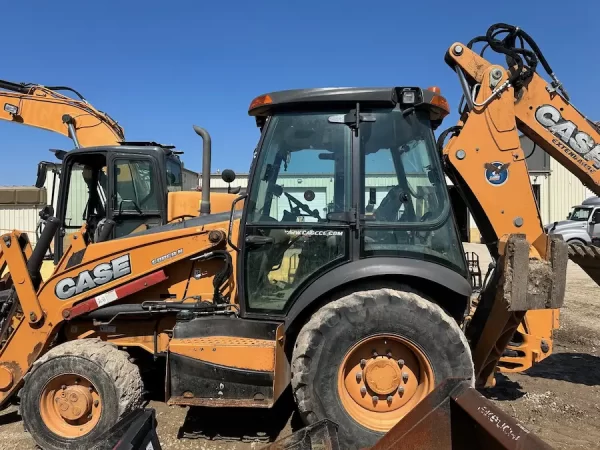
[{"x": 19, "y": 208}]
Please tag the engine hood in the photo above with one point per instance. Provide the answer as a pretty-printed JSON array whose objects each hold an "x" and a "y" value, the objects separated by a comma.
[{"x": 565, "y": 225}]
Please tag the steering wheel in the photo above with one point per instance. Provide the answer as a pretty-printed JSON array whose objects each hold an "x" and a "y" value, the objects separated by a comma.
[{"x": 303, "y": 206}]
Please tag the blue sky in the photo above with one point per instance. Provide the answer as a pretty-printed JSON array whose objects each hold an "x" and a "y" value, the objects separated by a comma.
[{"x": 160, "y": 67}]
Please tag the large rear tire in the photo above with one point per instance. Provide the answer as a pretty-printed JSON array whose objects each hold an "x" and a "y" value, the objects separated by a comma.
[
  {"x": 365, "y": 360},
  {"x": 76, "y": 392}
]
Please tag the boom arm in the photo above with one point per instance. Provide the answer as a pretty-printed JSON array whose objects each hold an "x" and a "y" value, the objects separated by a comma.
[
  {"x": 486, "y": 162},
  {"x": 489, "y": 135},
  {"x": 44, "y": 107}
]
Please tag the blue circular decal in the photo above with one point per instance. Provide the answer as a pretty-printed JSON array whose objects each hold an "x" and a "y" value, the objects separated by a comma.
[{"x": 496, "y": 173}]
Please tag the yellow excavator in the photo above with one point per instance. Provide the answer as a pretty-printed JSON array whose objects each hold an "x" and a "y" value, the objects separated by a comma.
[{"x": 375, "y": 315}]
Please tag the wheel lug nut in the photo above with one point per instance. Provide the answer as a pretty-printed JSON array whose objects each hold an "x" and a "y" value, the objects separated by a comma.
[
  {"x": 363, "y": 390},
  {"x": 375, "y": 399},
  {"x": 375, "y": 354},
  {"x": 358, "y": 377},
  {"x": 89, "y": 416},
  {"x": 400, "y": 390},
  {"x": 96, "y": 403},
  {"x": 363, "y": 363},
  {"x": 91, "y": 389},
  {"x": 401, "y": 362},
  {"x": 405, "y": 377},
  {"x": 390, "y": 399},
  {"x": 63, "y": 387},
  {"x": 389, "y": 353}
]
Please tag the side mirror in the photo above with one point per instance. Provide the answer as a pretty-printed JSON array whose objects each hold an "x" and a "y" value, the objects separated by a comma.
[
  {"x": 47, "y": 211},
  {"x": 42, "y": 170},
  {"x": 228, "y": 176}
]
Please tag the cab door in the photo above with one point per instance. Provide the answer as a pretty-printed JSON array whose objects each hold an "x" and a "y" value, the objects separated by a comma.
[
  {"x": 295, "y": 227},
  {"x": 136, "y": 194}
]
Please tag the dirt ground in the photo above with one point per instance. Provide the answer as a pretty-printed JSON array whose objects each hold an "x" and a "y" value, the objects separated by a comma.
[{"x": 558, "y": 399}]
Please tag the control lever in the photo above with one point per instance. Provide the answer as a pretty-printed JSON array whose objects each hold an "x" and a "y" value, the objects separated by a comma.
[{"x": 254, "y": 241}]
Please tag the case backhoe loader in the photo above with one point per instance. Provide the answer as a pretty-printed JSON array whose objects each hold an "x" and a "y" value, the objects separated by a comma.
[{"x": 374, "y": 312}]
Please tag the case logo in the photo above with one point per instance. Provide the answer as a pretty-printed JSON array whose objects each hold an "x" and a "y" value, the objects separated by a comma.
[
  {"x": 496, "y": 173},
  {"x": 568, "y": 134},
  {"x": 89, "y": 279}
]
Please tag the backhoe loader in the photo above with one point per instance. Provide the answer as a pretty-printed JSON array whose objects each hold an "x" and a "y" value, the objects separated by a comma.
[{"x": 376, "y": 312}]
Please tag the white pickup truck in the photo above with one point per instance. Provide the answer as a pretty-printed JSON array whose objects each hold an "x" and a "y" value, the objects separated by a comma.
[{"x": 580, "y": 226}]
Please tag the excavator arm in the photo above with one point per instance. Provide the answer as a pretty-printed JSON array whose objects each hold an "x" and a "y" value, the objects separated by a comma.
[
  {"x": 46, "y": 108},
  {"x": 486, "y": 162}
]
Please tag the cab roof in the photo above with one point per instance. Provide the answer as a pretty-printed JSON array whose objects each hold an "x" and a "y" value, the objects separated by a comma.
[
  {"x": 122, "y": 147},
  {"x": 267, "y": 104},
  {"x": 347, "y": 97}
]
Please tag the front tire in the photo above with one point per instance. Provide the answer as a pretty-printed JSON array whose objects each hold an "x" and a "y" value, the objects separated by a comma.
[
  {"x": 365, "y": 360},
  {"x": 76, "y": 392}
]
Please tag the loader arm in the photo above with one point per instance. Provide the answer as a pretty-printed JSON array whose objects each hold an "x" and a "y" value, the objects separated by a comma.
[
  {"x": 486, "y": 162},
  {"x": 46, "y": 108}
]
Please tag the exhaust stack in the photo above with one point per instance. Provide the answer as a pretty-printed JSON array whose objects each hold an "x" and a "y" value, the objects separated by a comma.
[{"x": 206, "y": 153}]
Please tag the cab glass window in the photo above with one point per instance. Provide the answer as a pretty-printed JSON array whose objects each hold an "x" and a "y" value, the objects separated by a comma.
[
  {"x": 302, "y": 169},
  {"x": 174, "y": 175},
  {"x": 133, "y": 186}
]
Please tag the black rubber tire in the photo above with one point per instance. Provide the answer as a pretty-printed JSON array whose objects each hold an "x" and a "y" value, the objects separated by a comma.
[
  {"x": 116, "y": 379},
  {"x": 576, "y": 241},
  {"x": 325, "y": 339}
]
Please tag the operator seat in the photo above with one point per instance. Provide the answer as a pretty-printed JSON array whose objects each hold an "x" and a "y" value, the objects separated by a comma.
[{"x": 269, "y": 256}]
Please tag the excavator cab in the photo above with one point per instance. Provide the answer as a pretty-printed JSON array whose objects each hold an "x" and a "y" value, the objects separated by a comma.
[
  {"x": 341, "y": 176},
  {"x": 111, "y": 192}
]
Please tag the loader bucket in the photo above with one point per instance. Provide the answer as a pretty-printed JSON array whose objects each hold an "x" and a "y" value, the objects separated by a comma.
[
  {"x": 136, "y": 431},
  {"x": 454, "y": 416},
  {"x": 457, "y": 416}
]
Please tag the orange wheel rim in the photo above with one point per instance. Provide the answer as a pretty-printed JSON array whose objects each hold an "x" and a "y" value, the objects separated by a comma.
[
  {"x": 381, "y": 379},
  {"x": 70, "y": 406}
]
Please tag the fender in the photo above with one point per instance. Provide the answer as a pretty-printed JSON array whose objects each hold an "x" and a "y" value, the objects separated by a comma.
[{"x": 374, "y": 267}]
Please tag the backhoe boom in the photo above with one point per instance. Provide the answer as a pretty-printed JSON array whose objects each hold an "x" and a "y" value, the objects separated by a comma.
[{"x": 485, "y": 160}]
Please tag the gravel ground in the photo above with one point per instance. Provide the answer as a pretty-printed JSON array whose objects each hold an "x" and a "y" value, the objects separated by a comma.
[{"x": 558, "y": 399}]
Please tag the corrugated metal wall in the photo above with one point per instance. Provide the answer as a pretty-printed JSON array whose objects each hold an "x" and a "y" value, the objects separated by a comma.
[
  {"x": 22, "y": 218},
  {"x": 190, "y": 179},
  {"x": 564, "y": 191},
  {"x": 78, "y": 194}
]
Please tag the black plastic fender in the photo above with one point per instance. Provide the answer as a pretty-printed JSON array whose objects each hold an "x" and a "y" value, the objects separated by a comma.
[{"x": 378, "y": 267}]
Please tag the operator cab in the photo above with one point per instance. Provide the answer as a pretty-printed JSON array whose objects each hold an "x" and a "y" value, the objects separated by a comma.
[
  {"x": 125, "y": 184},
  {"x": 341, "y": 175}
]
